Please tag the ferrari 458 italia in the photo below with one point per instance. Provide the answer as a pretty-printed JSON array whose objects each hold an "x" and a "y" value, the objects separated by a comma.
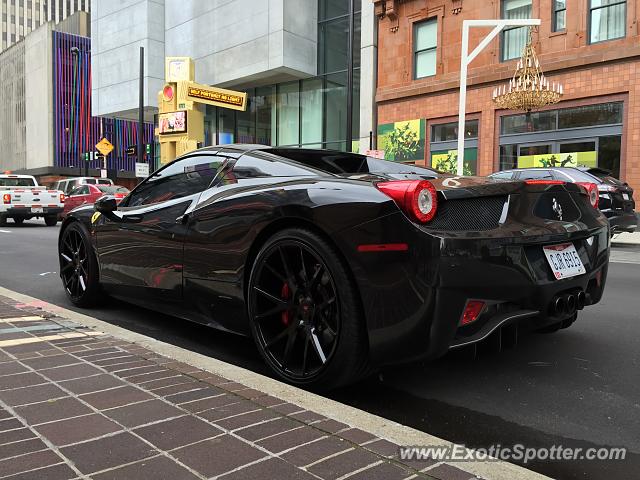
[{"x": 337, "y": 263}]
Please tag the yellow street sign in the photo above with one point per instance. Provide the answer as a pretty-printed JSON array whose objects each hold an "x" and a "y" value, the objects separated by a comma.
[{"x": 104, "y": 146}]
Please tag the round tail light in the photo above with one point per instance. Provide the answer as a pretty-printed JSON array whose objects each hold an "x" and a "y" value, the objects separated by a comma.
[{"x": 417, "y": 198}]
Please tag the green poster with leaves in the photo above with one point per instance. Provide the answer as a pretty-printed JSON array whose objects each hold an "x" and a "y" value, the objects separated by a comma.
[{"x": 402, "y": 141}]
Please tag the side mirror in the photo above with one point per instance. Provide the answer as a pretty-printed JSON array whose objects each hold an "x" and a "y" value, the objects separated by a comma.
[{"x": 106, "y": 205}]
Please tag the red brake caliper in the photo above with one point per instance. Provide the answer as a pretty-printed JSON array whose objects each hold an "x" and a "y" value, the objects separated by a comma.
[{"x": 284, "y": 293}]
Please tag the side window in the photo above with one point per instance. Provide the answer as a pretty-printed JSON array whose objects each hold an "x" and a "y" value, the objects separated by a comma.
[
  {"x": 261, "y": 164},
  {"x": 84, "y": 190},
  {"x": 75, "y": 191},
  {"x": 91, "y": 181},
  {"x": 535, "y": 175},
  {"x": 181, "y": 178},
  {"x": 503, "y": 175}
]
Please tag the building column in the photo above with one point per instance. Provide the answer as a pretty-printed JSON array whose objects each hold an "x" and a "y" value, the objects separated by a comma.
[{"x": 368, "y": 74}]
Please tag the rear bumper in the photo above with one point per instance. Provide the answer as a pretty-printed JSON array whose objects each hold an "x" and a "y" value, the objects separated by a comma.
[
  {"x": 25, "y": 212},
  {"x": 413, "y": 301}
]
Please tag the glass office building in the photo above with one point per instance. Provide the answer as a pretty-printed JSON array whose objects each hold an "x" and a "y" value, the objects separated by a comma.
[{"x": 317, "y": 112}]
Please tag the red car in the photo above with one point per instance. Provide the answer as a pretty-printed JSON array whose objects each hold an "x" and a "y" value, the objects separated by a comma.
[{"x": 88, "y": 194}]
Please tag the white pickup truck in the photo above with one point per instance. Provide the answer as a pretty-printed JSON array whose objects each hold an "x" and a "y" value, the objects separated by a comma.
[{"x": 23, "y": 199}]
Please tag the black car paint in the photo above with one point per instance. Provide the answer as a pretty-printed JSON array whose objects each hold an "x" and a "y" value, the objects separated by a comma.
[{"x": 191, "y": 258}]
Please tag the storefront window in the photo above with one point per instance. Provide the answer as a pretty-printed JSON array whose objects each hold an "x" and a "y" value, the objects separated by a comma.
[
  {"x": 609, "y": 152},
  {"x": 265, "y": 107},
  {"x": 335, "y": 101},
  {"x": 226, "y": 126},
  {"x": 246, "y": 120},
  {"x": 526, "y": 123},
  {"x": 311, "y": 110},
  {"x": 590, "y": 115},
  {"x": 449, "y": 131},
  {"x": 508, "y": 156},
  {"x": 288, "y": 105}
]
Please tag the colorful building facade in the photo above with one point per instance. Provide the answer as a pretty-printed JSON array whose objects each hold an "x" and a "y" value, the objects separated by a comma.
[{"x": 76, "y": 130}]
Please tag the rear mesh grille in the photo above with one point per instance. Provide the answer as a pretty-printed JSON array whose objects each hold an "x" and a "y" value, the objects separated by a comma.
[{"x": 480, "y": 213}]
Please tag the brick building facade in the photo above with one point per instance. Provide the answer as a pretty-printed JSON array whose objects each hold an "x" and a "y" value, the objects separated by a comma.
[{"x": 591, "y": 47}]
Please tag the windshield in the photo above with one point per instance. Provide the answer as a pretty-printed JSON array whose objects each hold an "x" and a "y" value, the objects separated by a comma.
[
  {"x": 17, "y": 182},
  {"x": 112, "y": 189}
]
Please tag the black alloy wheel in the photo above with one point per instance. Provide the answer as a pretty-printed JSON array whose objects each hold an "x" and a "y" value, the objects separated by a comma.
[
  {"x": 304, "y": 311},
  {"x": 78, "y": 266}
]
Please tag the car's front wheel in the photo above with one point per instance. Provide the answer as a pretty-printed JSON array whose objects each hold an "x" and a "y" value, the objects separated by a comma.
[
  {"x": 78, "y": 266},
  {"x": 51, "y": 220},
  {"x": 304, "y": 312}
]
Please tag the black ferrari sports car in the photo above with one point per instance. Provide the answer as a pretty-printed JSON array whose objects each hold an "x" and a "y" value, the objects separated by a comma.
[{"x": 337, "y": 263}]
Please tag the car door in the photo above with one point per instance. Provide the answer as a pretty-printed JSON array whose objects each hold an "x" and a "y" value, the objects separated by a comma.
[
  {"x": 76, "y": 198},
  {"x": 140, "y": 250}
]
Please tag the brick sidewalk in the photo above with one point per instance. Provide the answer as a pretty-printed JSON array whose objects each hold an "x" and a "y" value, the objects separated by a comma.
[{"x": 75, "y": 403}]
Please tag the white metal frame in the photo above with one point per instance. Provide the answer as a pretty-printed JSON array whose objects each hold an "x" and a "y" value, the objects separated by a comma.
[{"x": 466, "y": 59}]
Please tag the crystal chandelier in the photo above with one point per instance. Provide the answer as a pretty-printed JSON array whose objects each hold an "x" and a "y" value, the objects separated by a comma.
[{"x": 528, "y": 89}]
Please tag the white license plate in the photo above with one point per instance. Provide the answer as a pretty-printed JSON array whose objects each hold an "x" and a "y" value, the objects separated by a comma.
[
  {"x": 564, "y": 260},
  {"x": 36, "y": 210},
  {"x": 625, "y": 196}
]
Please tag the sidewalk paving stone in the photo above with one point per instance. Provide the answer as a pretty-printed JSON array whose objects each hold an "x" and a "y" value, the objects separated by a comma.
[
  {"x": 156, "y": 468},
  {"x": 178, "y": 432},
  {"x": 95, "y": 407},
  {"x": 78, "y": 429},
  {"x": 108, "y": 452}
]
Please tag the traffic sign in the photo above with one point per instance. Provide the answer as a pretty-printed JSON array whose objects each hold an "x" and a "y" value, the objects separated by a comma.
[
  {"x": 142, "y": 170},
  {"x": 104, "y": 146}
]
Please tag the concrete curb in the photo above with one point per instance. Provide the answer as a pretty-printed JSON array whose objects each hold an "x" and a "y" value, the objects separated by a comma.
[{"x": 381, "y": 427}]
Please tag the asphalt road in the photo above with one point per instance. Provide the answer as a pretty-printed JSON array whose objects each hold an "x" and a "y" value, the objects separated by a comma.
[{"x": 578, "y": 387}]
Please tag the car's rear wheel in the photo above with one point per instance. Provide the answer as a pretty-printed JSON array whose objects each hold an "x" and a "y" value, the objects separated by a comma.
[
  {"x": 3, "y": 220},
  {"x": 51, "y": 220},
  {"x": 304, "y": 311},
  {"x": 78, "y": 266},
  {"x": 18, "y": 220}
]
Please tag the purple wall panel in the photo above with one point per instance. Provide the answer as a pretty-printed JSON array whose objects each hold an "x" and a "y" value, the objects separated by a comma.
[{"x": 75, "y": 130}]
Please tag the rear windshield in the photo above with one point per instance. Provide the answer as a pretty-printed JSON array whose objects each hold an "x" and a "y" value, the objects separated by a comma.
[
  {"x": 580, "y": 176},
  {"x": 345, "y": 163},
  {"x": 110, "y": 189},
  {"x": 17, "y": 182},
  {"x": 605, "y": 176}
]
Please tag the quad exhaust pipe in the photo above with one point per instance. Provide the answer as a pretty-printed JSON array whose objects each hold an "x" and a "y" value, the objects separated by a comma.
[{"x": 568, "y": 303}]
